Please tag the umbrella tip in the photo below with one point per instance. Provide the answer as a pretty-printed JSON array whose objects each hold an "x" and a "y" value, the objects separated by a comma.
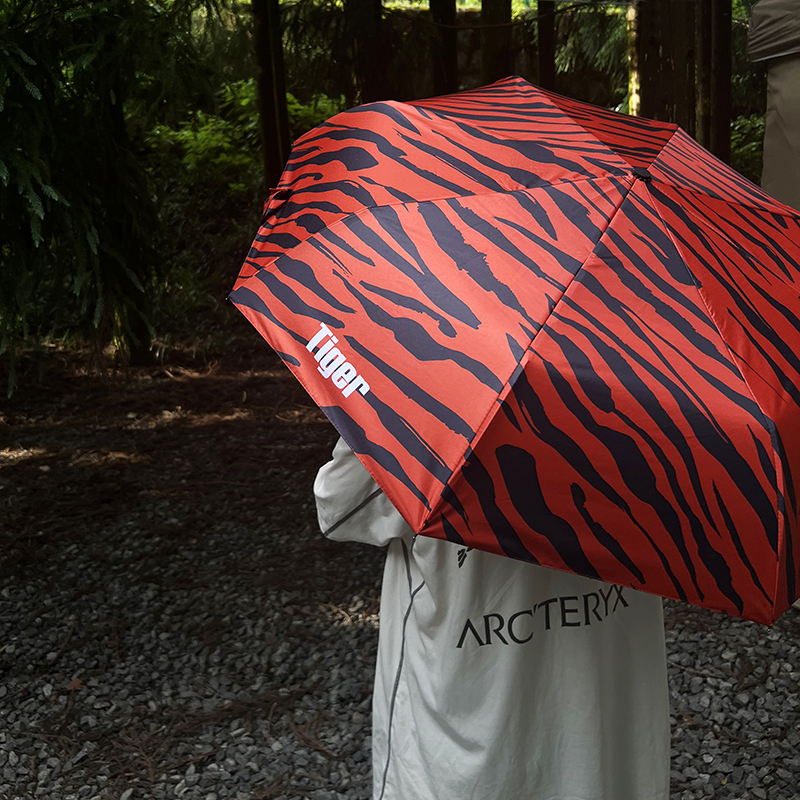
[{"x": 642, "y": 174}]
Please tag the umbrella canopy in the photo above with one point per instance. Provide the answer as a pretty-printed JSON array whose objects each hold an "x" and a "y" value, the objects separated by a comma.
[{"x": 552, "y": 332}]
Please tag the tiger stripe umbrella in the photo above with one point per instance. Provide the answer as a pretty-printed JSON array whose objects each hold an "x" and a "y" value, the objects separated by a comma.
[{"x": 549, "y": 331}]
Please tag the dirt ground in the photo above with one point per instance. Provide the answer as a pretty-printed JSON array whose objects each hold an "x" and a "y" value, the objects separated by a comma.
[{"x": 83, "y": 443}]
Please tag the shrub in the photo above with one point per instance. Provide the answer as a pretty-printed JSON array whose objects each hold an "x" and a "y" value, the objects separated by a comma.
[{"x": 747, "y": 146}]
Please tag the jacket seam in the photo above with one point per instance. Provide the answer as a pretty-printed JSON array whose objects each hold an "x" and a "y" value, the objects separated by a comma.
[
  {"x": 397, "y": 676},
  {"x": 354, "y": 511}
]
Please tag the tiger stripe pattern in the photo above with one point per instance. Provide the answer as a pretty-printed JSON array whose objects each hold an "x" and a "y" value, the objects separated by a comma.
[{"x": 549, "y": 331}]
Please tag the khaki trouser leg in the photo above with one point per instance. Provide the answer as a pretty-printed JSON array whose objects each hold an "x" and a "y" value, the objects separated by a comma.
[{"x": 781, "y": 175}]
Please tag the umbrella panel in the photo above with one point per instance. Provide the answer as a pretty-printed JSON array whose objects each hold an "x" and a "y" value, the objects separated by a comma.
[
  {"x": 681, "y": 396},
  {"x": 434, "y": 363},
  {"x": 627, "y": 416}
]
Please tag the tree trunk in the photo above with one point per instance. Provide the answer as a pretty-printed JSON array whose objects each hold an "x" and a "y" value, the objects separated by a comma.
[
  {"x": 546, "y": 40},
  {"x": 445, "y": 51},
  {"x": 634, "y": 76},
  {"x": 721, "y": 73},
  {"x": 651, "y": 49},
  {"x": 370, "y": 49},
  {"x": 682, "y": 64},
  {"x": 665, "y": 58},
  {"x": 128, "y": 252},
  {"x": 703, "y": 50},
  {"x": 271, "y": 83},
  {"x": 496, "y": 61}
]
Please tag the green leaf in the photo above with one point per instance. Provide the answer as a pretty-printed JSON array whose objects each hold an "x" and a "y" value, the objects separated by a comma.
[
  {"x": 32, "y": 89},
  {"x": 134, "y": 278},
  {"x": 93, "y": 239},
  {"x": 5, "y": 175},
  {"x": 53, "y": 194},
  {"x": 36, "y": 231},
  {"x": 25, "y": 57},
  {"x": 85, "y": 60},
  {"x": 98, "y": 311},
  {"x": 79, "y": 282},
  {"x": 36, "y": 203}
]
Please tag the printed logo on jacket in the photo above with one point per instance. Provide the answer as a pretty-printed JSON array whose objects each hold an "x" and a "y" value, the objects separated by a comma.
[{"x": 570, "y": 611}]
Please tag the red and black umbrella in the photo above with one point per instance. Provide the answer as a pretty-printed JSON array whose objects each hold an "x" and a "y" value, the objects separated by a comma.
[{"x": 549, "y": 331}]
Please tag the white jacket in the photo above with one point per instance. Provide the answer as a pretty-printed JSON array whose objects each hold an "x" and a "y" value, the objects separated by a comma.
[{"x": 500, "y": 680}]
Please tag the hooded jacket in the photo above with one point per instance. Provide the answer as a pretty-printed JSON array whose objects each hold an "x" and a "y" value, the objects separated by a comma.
[{"x": 501, "y": 680}]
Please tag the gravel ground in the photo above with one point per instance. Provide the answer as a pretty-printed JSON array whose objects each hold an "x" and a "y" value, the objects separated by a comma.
[{"x": 173, "y": 626}]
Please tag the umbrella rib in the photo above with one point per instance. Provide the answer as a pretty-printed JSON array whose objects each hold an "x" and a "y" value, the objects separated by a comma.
[
  {"x": 609, "y": 148},
  {"x": 493, "y": 409},
  {"x": 316, "y": 236},
  {"x": 777, "y": 209},
  {"x": 768, "y": 422}
]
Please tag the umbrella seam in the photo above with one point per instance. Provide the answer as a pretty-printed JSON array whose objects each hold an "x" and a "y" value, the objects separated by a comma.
[
  {"x": 361, "y": 211},
  {"x": 497, "y": 402},
  {"x": 548, "y": 96},
  {"x": 768, "y": 423},
  {"x": 605, "y": 144},
  {"x": 780, "y": 209}
]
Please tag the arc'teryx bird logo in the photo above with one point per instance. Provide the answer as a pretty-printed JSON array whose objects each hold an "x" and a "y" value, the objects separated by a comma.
[{"x": 333, "y": 363}]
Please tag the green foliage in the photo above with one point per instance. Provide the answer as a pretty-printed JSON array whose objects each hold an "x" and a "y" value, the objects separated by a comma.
[
  {"x": 592, "y": 48},
  {"x": 327, "y": 50},
  {"x": 78, "y": 82},
  {"x": 207, "y": 174},
  {"x": 318, "y": 45},
  {"x": 747, "y": 146},
  {"x": 222, "y": 150},
  {"x": 592, "y": 34},
  {"x": 305, "y": 116},
  {"x": 748, "y": 80}
]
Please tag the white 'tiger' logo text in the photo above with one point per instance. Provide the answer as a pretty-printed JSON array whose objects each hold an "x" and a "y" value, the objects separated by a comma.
[{"x": 333, "y": 363}]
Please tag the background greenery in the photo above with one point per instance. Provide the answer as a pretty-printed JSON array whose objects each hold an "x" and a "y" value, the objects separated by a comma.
[{"x": 130, "y": 165}]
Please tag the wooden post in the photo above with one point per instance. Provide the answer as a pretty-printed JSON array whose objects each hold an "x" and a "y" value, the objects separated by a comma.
[
  {"x": 681, "y": 68},
  {"x": 546, "y": 39},
  {"x": 271, "y": 83},
  {"x": 703, "y": 56},
  {"x": 665, "y": 56},
  {"x": 689, "y": 67},
  {"x": 496, "y": 61},
  {"x": 721, "y": 69},
  {"x": 445, "y": 56},
  {"x": 634, "y": 76},
  {"x": 372, "y": 49},
  {"x": 655, "y": 60}
]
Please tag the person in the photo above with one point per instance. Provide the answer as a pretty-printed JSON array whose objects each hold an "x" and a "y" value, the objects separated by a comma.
[
  {"x": 774, "y": 39},
  {"x": 497, "y": 679}
]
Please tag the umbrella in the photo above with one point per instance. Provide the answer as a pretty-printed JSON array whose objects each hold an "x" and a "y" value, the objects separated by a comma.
[{"x": 549, "y": 331}]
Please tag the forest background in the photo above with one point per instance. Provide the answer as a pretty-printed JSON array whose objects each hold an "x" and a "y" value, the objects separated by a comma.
[{"x": 133, "y": 163}]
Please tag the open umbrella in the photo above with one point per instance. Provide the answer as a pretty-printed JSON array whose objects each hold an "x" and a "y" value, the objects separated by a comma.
[{"x": 549, "y": 331}]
